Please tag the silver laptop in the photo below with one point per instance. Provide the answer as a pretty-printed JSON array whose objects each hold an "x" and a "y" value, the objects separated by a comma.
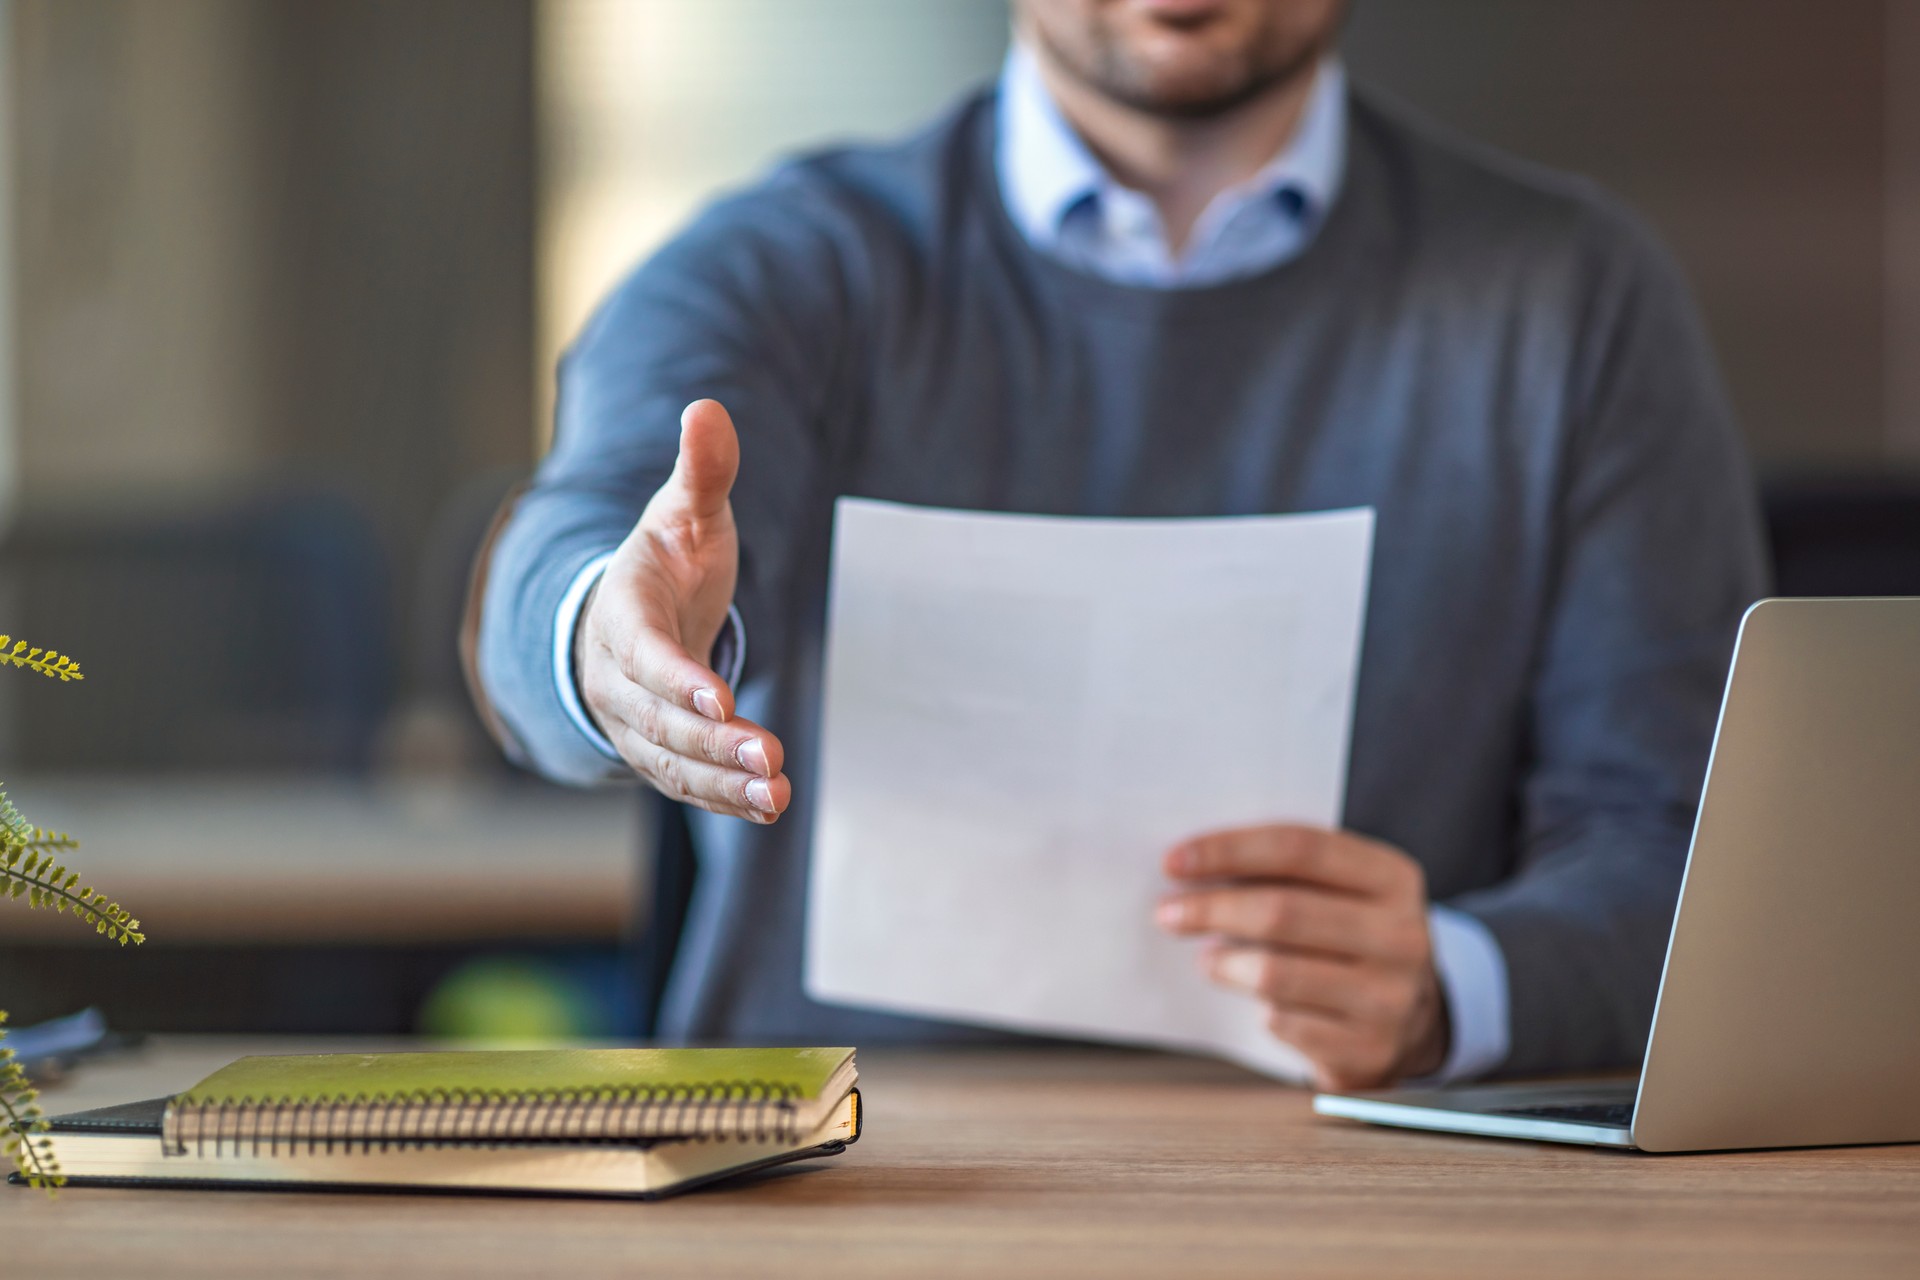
[{"x": 1789, "y": 1009}]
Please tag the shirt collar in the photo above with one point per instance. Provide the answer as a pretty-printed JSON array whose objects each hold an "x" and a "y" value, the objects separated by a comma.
[{"x": 1046, "y": 170}]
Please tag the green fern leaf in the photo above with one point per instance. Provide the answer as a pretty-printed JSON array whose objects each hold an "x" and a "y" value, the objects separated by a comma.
[
  {"x": 23, "y": 1122},
  {"x": 47, "y": 662},
  {"x": 29, "y": 869}
]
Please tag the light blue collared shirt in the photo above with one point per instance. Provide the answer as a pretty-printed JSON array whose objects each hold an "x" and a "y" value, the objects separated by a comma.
[{"x": 1069, "y": 207}]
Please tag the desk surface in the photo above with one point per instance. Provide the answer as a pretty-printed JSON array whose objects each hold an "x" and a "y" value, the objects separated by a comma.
[{"x": 1035, "y": 1162}]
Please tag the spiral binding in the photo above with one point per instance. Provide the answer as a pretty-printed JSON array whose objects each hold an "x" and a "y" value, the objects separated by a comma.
[{"x": 739, "y": 1110}]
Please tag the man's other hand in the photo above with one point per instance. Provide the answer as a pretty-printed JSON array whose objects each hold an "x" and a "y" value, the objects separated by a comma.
[
  {"x": 662, "y": 600},
  {"x": 1329, "y": 931}
]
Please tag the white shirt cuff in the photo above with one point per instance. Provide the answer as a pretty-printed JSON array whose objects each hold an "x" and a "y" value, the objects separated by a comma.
[
  {"x": 1473, "y": 979},
  {"x": 566, "y": 620},
  {"x": 729, "y": 652}
]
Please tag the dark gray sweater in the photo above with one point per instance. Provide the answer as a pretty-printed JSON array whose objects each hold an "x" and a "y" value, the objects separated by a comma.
[{"x": 1497, "y": 359}]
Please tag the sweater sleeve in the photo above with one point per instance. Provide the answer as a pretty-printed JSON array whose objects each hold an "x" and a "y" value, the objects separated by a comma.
[
  {"x": 1656, "y": 554},
  {"x": 747, "y": 307}
]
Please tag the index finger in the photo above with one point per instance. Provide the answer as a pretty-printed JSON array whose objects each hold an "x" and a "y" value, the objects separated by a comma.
[
  {"x": 1336, "y": 859},
  {"x": 661, "y": 665},
  {"x": 651, "y": 657}
]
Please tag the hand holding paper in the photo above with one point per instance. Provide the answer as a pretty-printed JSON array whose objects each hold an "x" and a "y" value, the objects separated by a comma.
[
  {"x": 1023, "y": 714},
  {"x": 1328, "y": 930}
]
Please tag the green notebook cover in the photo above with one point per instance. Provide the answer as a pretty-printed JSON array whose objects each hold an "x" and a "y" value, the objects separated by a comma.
[
  {"x": 314, "y": 1077},
  {"x": 512, "y": 1095}
]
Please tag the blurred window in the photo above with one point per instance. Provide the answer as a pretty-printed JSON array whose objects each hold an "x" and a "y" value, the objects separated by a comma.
[{"x": 650, "y": 107}]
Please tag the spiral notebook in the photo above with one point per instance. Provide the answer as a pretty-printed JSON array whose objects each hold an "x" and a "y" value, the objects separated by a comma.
[{"x": 634, "y": 1122}]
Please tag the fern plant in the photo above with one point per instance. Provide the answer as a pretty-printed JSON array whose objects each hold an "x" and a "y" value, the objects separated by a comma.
[
  {"x": 32, "y": 867},
  {"x": 27, "y": 1145}
]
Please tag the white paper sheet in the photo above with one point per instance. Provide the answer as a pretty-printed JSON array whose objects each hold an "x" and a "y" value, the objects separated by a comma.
[{"x": 1023, "y": 713}]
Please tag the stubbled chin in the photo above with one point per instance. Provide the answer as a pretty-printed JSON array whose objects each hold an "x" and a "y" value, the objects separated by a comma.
[{"x": 1183, "y": 81}]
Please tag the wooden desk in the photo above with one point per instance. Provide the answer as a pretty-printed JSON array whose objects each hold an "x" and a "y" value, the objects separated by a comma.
[{"x": 1011, "y": 1163}]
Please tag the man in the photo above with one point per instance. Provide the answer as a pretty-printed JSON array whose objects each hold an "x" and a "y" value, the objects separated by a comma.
[{"x": 1173, "y": 267}]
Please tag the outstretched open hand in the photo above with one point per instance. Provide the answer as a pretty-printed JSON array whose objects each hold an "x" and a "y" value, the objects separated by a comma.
[{"x": 662, "y": 600}]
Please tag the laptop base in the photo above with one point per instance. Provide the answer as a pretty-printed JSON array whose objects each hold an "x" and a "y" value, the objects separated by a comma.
[{"x": 1592, "y": 1113}]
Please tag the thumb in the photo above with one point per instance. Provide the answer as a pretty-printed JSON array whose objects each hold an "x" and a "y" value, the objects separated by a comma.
[{"x": 709, "y": 459}]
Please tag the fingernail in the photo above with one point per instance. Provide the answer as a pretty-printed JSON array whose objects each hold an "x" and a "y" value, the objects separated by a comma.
[
  {"x": 707, "y": 705},
  {"x": 1183, "y": 859},
  {"x": 1173, "y": 913},
  {"x": 1241, "y": 968},
  {"x": 753, "y": 757},
  {"x": 760, "y": 795}
]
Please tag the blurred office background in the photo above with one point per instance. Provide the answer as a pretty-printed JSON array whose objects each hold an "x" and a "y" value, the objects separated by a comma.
[{"x": 281, "y": 286}]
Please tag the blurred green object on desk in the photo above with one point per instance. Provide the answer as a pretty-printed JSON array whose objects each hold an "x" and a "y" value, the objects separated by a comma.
[{"x": 512, "y": 999}]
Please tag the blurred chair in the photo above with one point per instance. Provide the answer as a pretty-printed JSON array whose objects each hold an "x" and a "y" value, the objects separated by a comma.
[
  {"x": 1845, "y": 535},
  {"x": 241, "y": 636}
]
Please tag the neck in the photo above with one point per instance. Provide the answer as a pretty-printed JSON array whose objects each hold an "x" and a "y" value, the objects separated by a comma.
[{"x": 1180, "y": 164}]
